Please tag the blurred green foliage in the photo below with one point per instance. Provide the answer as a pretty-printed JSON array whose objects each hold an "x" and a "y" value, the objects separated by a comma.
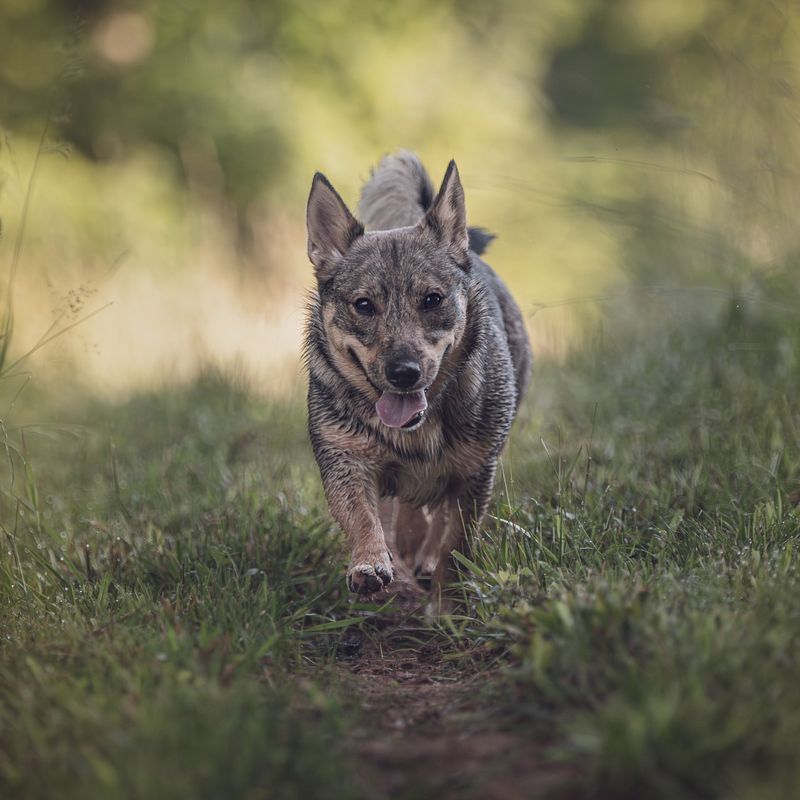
[{"x": 243, "y": 95}]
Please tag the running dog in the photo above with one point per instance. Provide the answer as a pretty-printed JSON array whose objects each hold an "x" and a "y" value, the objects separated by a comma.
[{"x": 418, "y": 359}]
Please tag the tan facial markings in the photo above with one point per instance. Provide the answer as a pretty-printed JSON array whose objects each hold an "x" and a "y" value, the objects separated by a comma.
[
  {"x": 429, "y": 347},
  {"x": 341, "y": 342},
  {"x": 432, "y": 353}
]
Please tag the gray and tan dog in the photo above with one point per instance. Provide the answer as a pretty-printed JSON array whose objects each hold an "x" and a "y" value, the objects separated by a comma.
[{"x": 418, "y": 359}]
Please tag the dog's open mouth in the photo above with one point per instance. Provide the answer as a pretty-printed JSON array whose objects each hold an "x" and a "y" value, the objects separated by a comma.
[{"x": 402, "y": 410}]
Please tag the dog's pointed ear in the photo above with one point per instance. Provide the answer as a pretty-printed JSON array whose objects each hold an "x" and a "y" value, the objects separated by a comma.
[
  {"x": 447, "y": 217},
  {"x": 332, "y": 229}
]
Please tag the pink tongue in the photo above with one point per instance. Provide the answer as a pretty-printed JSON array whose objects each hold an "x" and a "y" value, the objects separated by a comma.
[{"x": 395, "y": 410}]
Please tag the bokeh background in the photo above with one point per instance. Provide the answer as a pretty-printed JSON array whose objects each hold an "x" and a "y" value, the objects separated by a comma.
[
  {"x": 632, "y": 156},
  {"x": 174, "y": 620}
]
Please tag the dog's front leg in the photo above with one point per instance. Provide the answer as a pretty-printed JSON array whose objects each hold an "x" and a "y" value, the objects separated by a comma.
[{"x": 352, "y": 492}]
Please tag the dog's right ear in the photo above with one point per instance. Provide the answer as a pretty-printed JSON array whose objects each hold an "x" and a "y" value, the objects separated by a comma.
[{"x": 331, "y": 227}]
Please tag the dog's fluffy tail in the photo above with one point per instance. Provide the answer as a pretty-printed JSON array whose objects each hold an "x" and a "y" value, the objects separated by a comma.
[{"x": 399, "y": 192}]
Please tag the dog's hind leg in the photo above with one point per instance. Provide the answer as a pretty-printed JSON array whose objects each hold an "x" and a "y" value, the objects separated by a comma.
[
  {"x": 429, "y": 550},
  {"x": 411, "y": 530},
  {"x": 464, "y": 510},
  {"x": 387, "y": 510},
  {"x": 400, "y": 523}
]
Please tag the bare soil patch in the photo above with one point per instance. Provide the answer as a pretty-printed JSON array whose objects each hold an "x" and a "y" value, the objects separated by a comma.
[{"x": 428, "y": 729}]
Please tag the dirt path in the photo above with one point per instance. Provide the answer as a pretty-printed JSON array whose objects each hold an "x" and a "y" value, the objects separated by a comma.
[{"x": 429, "y": 730}]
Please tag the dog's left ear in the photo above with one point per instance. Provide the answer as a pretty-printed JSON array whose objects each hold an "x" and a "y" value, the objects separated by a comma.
[
  {"x": 447, "y": 217},
  {"x": 331, "y": 227}
]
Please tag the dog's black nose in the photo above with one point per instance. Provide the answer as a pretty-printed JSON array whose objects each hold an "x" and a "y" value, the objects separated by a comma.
[{"x": 403, "y": 374}]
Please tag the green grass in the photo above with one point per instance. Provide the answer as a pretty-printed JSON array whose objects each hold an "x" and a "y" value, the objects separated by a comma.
[
  {"x": 645, "y": 580},
  {"x": 159, "y": 588},
  {"x": 172, "y": 594}
]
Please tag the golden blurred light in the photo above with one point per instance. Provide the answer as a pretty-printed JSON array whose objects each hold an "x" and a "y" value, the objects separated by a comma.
[
  {"x": 198, "y": 189},
  {"x": 124, "y": 38}
]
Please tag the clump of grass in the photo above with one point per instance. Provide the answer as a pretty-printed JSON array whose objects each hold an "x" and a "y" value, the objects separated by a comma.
[
  {"x": 644, "y": 582},
  {"x": 163, "y": 570},
  {"x": 169, "y": 576}
]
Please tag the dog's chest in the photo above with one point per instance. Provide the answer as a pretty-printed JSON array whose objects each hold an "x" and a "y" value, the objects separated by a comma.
[
  {"x": 425, "y": 476},
  {"x": 418, "y": 484}
]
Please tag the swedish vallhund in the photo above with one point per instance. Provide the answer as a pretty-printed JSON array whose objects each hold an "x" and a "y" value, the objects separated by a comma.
[{"x": 418, "y": 359}]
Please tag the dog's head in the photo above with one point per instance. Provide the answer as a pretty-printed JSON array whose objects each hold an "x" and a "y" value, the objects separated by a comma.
[{"x": 393, "y": 302}]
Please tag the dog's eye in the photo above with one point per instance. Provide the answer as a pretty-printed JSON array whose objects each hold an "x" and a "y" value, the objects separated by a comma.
[
  {"x": 364, "y": 306},
  {"x": 433, "y": 300}
]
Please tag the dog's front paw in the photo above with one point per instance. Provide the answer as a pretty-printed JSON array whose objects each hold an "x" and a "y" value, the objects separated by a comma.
[{"x": 369, "y": 576}]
